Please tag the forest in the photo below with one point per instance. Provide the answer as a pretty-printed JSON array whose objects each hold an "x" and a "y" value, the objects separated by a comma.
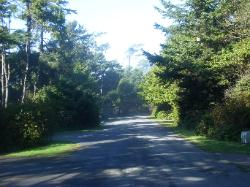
[
  {"x": 201, "y": 79},
  {"x": 54, "y": 75}
]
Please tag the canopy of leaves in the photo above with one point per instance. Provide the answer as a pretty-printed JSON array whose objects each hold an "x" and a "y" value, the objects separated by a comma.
[{"x": 206, "y": 52}]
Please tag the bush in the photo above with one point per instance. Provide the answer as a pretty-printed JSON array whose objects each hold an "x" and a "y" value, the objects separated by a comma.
[
  {"x": 230, "y": 119},
  {"x": 234, "y": 116},
  {"x": 205, "y": 125},
  {"x": 29, "y": 124},
  {"x": 226, "y": 121},
  {"x": 191, "y": 119},
  {"x": 166, "y": 111},
  {"x": 51, "y": 108},
  {"x": 24, "y": 126},
  {"x": 50, "y": 100},
  {"x": 10, "y": 135},
  {"x": 110, "y": 105},
  {"x": 86, "y": 112}
]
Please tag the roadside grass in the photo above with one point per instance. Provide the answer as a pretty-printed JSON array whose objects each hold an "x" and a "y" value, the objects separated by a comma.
[
  {"x": 93, "y": 129},
  {"x": 53, "y": 149},
  {"x": 207, "y": 144}
]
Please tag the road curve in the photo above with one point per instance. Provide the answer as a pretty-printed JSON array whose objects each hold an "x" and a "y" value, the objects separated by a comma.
[{"x": 132, "y": 151}]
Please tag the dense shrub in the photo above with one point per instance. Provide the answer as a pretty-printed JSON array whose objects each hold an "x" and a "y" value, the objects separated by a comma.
[
  {"x": 52, "y": 101},
  {"x": 110, "y": 105},
  {"x": 128, "y": 98},
  {"x": 72, "y": 108},
  {"x": 29, "y": 124},
  {"x": 163, "y": 111},
  {"x": 50, "y": 109},
  {"x": 230, "y": 119},
  {"x": 86, "y": 113},
  {"x": 226, "y": 121},
  {"x": 191, "y": 119},
  {"x": 36, "y": 122},
  {"x": 166, "y": 111},
  {"x": 10, "y": 135},
  {"x": 205, "y": 125},
  {"x": 25, "y": 126}
]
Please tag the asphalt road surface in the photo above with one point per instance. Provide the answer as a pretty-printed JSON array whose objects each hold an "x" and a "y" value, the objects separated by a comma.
[{"x": 132, "y": 151}]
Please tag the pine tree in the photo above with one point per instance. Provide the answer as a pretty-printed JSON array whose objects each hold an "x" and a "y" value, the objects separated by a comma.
[{"x": 6, "y": 39}]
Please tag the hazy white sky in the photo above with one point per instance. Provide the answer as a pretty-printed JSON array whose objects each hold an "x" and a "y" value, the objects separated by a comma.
[{"x": 125, "y": 22}]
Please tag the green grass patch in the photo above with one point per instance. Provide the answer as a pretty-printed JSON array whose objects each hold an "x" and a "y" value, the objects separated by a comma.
[
  {"x": 208, "y": 144},
  {"x": 53, "y": 149},
  {"x": 97, "y": 128}
]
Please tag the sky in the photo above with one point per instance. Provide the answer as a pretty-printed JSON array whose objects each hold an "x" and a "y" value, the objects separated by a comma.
[{"x": 124, "y": 22}]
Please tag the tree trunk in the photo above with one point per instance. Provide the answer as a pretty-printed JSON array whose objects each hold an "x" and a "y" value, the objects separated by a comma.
[
  {"x": 7, "y": 78},
  {"x": 25, "y": 78},
  {"x": 41, "y": 51},
  {"x": 28, "y": 46},
  {"x": 41, "y": 39},
  {"x": 34, "y": 88},
  {"x": 2, "y": 79}
]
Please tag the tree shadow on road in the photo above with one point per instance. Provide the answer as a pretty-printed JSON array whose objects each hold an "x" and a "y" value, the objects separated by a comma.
[{"x": 132, "y": 151}]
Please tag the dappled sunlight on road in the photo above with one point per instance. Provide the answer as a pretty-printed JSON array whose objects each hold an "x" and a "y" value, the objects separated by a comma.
[
  {"x": 192, "y": 179},
  {"x": 155, "y": 138},
  {"x": 131, "y": 151},
  {"x": 133, "y": 171}
]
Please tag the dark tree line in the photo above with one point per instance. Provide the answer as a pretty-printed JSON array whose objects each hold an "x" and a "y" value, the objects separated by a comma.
[
  {"x": 201, "y": 77},
  {"x": 53, "y": 74}
]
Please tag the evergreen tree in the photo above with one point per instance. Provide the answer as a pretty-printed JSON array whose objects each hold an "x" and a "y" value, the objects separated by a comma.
[{"x": 200, "y": 52}]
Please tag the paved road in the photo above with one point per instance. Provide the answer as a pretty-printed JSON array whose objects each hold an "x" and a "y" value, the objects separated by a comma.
[{"x": 129, "y": 152}]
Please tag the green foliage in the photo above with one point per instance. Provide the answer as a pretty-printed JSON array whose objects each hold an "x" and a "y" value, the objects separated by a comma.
[
  {"x": 127, "y": 95},
  {"x": 226, "y": 121},
  {"x": 232, "y": 62},
  {"x": 111, "y": 104},
  {"x": 34, "y": 124},
  {"x": 111, "y": 75},
  {"x": 25, "y": 126},
  {"x": 210, "y": 144},
  {"x": 162, "y": 96},
  {"x": 205, "y": 125},
  {"x": 65, "y": 74},
  {"x": 234, "y": 116},
  {"x": 206, "y": 51},
  {"x": 85, "y": 112},
  {"x": 241, "y": 91},
  {"x": 125, "y": 98},
  {"x": 51, "y": 100},
  {"x": 207, "y": 143},
  {"x": 52, "y": 149}
]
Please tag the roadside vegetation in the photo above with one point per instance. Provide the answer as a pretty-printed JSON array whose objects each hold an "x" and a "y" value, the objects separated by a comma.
[
  {"x": 207, "y": 143},
  {"x": 53, "y": 149},
  {"x": 54, "y": 76},
  {"x": 201, "y": 79}
]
